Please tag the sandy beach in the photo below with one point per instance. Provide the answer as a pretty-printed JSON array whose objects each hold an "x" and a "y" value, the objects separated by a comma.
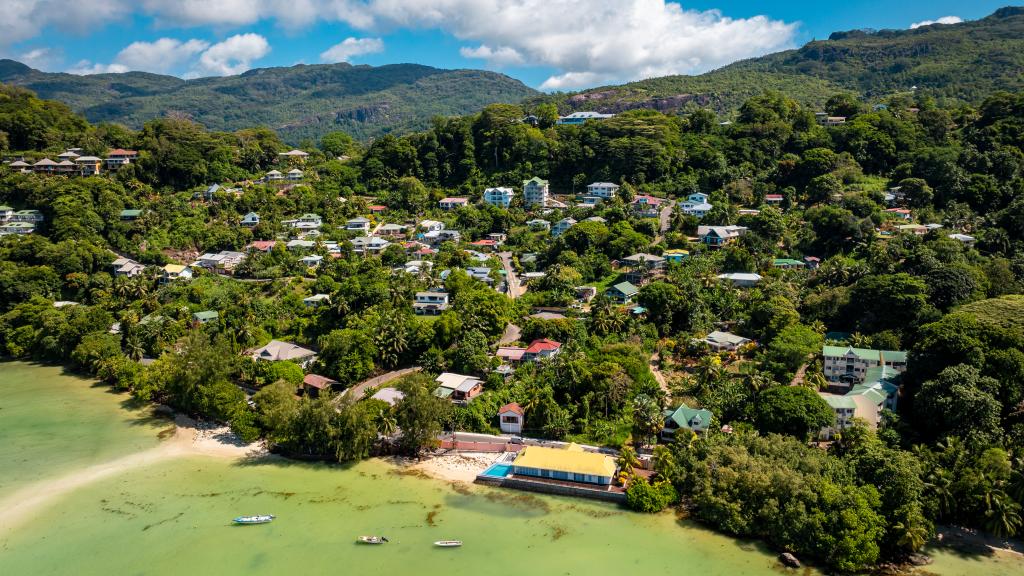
[
  {"x": 190, "y": 438},
  {"x": 452, "y": 466}
]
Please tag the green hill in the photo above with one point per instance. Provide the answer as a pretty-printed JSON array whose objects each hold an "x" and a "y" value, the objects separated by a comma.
[
  {"x": 298, "y": 102},
  {"x": 963, "y": 62}
]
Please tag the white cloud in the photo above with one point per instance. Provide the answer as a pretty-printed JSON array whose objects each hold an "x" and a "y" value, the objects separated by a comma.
[
  {"x": 161, "y": 56},
  {"x": 39, "y": 58},
  {"x": 232, "y": 56},
  {"x": 943, "y": 20},
  {"x": 84, "y": 67},
  {"x": 504, "y": 56},
  {"x": 350, "y": 47}
]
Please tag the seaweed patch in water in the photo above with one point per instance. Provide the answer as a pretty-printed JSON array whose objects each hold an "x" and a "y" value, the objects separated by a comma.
[
  {"x": 279, "y": 494},
  {"x": 164, "y": 521},
  {"x": 431, "y": 516},
  {"x": 521, "y": 500},
  {"x": 462, "y": 488},
  {"x": 557, "y": 532}
]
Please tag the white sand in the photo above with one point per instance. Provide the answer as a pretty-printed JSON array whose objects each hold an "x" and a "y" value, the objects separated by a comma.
[
  {"x": 190, "y": 438},
  {"x": 453, "y": 467}
]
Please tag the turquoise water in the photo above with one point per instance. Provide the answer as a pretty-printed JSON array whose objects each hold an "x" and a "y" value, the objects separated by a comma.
[{"x": 497, "y": 470}]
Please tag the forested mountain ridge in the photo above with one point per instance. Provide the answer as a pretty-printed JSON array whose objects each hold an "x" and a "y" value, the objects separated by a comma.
[
  {"x": 964, "y": 62},
  {"x": 298, "y": 102}
]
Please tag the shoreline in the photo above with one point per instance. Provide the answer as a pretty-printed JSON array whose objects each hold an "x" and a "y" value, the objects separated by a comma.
[
  {"x": 190, "y": 438},
  {"x": 454, "y": 467}
]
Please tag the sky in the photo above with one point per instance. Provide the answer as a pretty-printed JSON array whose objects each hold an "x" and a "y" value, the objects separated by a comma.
[{"x": 548, "y": 44}]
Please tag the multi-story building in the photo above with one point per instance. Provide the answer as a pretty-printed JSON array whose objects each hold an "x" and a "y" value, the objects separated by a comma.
[
  {"x": 535, "y": 192},
  {"x": 850, "y": 365},
  {"x": 499, "y": 196}
]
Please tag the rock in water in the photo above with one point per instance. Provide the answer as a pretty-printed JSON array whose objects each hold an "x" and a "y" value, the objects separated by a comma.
[{"x": 789, "y": 560}]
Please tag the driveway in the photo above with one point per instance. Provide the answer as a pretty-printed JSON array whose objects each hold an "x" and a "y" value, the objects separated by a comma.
[{"x": 360, "y": 389}]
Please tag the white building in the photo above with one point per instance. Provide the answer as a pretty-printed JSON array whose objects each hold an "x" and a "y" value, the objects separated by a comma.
[
  {"x": 430, "y": 303},
  {"x": 499, "y": 196},
  {"x": 850, "y": 365},
  {"x": 360, "y": 224},
  {"x": 577, "y": 118},
  {"x": 603, "y": 190},
  {"x": 562, "y": 225},
  {"x": 535, "y": 192},
  {"x": 510, "y": 418},
  {"x": 696, "y": 204}
]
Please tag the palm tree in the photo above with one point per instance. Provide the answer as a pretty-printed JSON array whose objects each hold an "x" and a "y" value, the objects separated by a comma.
[
  {"x": 1002, "y": 516},
  {"x": 386, "y": 423},
  {"x": 628, "y": 459},
  {"x": 647, "y": 417},
  {"x": 815, "y": 380},
  {"x": 708, "y": 372},
  {"x": 133, "y": 347}
]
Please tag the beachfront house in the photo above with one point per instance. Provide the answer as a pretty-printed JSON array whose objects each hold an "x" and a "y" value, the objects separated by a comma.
[
  {"x": 696, "y": 420},
  {"x": 569, "y": 464},
  {"x": 430, "y": 303},
  {"x": 510, "y": 418},
  {"x": 535, "y": 192},
  {"x": 849, "y": 365},
  {"x": 458, "y": 388},
  {"x": 499, "y": 196},
  {"x": 277, "y": 351}
]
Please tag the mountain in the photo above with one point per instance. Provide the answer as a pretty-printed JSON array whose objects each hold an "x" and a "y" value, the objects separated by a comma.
[
  {"x": 299, "y": 102},
  {"x": 965, "y": 62}
]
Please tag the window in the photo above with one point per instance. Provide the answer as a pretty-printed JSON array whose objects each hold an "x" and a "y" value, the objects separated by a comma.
[{"x": 510, "y": 419}]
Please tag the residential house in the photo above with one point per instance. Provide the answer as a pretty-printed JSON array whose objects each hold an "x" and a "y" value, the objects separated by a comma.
[
  {"x": 623, "y": 292},
  {"x": 510, "y": 418},
  {"x": 773, "y": 199},
  {"x": 294, "y": 175},
  {"x": 866, "y": 401},
  {"x": 311, "y": 260},
  {"x": 316, "y": 300},
  {"x": 499, "y": 196},
  {"x": 173, "y": 272},
  {"x": 645, "y": 206},
  {"x": 676, "y": 255},
  {"x": 130, "y": 215},
  {"x": 569, "y": 464},
  {"x": 915, "y": 229},
  {"x": 603, "y": 190},
  {"x": 430, "y": 303},
  {"x": 480, "y": 273},
  {"x": 542, "y": 349},
  {"x": 358, "y": 224},
  {"x": 696, "y": 420},
  {"x": 899, "y": 213},
  {"x": 392, "y": 230},
  {"x": 510, "y": 355},
  {"x": 497, "y": 237},
  {"x": 126, "y": 267},
  {"x": 314, "y": 384},
  {"x": 577, "y": 118},
  {"x": 369, "y": 245},
  {"x": 88, "y": 165},
  {"x": 585, "y": 293},
  {"x": 696, "y": 204},
  {"x": 458, "y": 388},
  {"x": 598, "y": 219},
  {"x": 717, "y": 236},
  {"x": 788, "y": 264},
  {"x": 488, "y": 245},
  {"x": 274, "y": 176},
  {"x": 642, "y": 267},
  {"x": 45, "y": 166},
  {"x": 562, "y": 225},
  {"x": 377, "y": 209},
  {"x": 589, "y": 202},
  {"x": 20, "y": 166},
  {"x": 223, "y": 261},
  {"x": 431, "y": 226},
  {"x": 34, "y": 216},
  {"x": 963, "y": 238},
  {"x": 414, "y": 267},
  {"x": 6, "y": 213},
  {"x": 824, "y": 119},
  {"x": 119, "y": 157},
  {"x": 69, "y": 154},
  {"x": 741, "y": 279},
  {"x": 250, "y": 220},
  {"x": 299, "y": 245},
  {"x": 205, "y": 317},
  {"x": 277, "y": 351},
  {"x": 535, "y": 192},
  {"x": 294, "y": 155},
  {"x": 17, "y": 228},
  {"x": 539, "y": 224},
  {"x": 436, "y": 237},
  {"x": 261, "y": 246},
  {"x": 850, "y": 365},
  {"x": 306, "y": 222},
  {"x": 719, "y": 341},
  {"x": 452, "y": 203}
]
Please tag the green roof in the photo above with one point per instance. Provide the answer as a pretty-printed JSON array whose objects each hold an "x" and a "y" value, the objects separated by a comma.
[
  {"x": 206, "y": 315},
  {"x": 131, "y": 213},
  {"x": 865, "y": 353},
  {"x": 536, "y": 179},
  {"x": 626, "y": 288},
  {"x": 839, "y": 402},
  {"x": 5, "y": 208},
  {"x": 697, "y": 419},
  {"x": 442, "y": 392},
  {"x": 786, "y": 262}
]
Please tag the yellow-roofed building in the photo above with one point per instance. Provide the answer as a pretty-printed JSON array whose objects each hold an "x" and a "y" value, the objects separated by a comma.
[{"x": 571, "y": 464}]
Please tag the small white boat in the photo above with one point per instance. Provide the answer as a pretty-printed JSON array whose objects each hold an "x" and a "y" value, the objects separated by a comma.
[
  {"x": 372, "y": 539},
  {"x": 264, "y": 519},
  {"x": 448, "y": 543}
]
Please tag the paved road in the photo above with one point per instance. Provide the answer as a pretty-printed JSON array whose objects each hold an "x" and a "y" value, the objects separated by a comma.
[
  {"x": 512, "y": 333},
  {"x": 655, "y": 363},
  {"x": 359, "y": 390},
  {"x": 515, "y": 290},
  {"x": 665, "y": 219}
]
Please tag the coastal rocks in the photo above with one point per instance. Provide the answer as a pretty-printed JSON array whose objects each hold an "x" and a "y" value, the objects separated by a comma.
[{"x": 789, "y": 560}]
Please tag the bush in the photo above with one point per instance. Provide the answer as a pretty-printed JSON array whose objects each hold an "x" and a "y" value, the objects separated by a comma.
[{"x": 642, "y": 496}]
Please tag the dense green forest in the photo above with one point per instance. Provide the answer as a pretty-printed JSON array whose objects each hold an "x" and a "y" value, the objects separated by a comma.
[
  {"x": 300, "y": 102},
  {"x": 952, "y": 452},
  {"x": 961, "y": 62}
]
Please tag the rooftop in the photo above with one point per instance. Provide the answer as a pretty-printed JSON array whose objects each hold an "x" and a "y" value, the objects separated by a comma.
[{"x": 571, "y": 459}]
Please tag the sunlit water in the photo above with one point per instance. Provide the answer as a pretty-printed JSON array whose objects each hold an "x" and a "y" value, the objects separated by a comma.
[{"x": 174, "y": 517}]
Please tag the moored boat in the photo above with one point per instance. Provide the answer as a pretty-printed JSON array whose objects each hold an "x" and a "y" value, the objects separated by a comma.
[
  {"x": 262, "y": 519},
  {"x": 448, "y": 543},
  {"x": 372, "y": 539}
]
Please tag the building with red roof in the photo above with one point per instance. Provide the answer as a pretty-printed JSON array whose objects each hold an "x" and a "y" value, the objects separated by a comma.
[
  {"x": 510, "y": 417},
  {"x": 541, "y": 349},
  {"x": 313, "y": 384}
]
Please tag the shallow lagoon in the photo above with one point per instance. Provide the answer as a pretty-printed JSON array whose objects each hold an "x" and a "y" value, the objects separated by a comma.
[{"x": 173, "y": 517}]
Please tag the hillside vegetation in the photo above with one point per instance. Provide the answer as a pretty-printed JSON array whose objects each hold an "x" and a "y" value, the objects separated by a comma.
[
  {"x": 962, "y": 62},
  {"x": 298, "y": 102}
]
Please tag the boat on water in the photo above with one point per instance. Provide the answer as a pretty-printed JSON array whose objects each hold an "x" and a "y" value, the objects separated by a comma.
[
  {"x": 448, "y": 543},
  {"x": 263, "y": 519},
  {"x": 372, "y": 539}
]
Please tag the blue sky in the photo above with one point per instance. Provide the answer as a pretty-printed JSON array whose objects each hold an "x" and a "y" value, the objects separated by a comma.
[{"x": 548, "y": 44}]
